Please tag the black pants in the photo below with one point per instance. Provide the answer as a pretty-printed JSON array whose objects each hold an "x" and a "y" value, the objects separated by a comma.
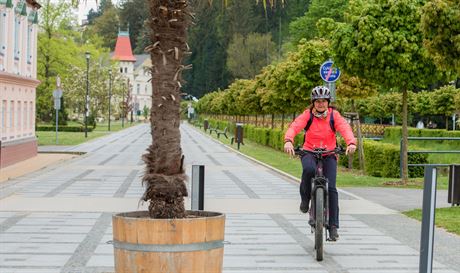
[{"x": 330, "y": 171}]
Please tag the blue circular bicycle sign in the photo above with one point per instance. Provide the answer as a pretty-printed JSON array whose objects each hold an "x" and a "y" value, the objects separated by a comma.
[{"x": 329, "y": 72}]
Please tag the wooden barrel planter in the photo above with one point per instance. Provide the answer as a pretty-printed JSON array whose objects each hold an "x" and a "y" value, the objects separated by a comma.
[{"x": 192, "y": 244}]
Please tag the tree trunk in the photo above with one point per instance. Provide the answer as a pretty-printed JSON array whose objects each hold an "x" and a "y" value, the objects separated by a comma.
[
  {"x": 282, "y": 121},
  {"x": 405, "y": 171},
  {"x": 164, "y": 175}
]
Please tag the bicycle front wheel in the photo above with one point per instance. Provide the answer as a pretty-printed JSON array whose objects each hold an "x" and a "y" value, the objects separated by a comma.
[{"x": 319, "y": 223}]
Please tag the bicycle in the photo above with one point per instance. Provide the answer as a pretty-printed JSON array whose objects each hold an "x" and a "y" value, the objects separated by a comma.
[{"x": 319, "y": 212}]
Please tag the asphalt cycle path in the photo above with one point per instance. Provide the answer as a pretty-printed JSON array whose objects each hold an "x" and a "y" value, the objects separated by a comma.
[{"x": 59, "y": 219}]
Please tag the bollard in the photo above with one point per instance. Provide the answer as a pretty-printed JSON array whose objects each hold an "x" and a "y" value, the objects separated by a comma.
[
  {"x": 428, "y": 216},
  {"x": 197, "y": 187},
  {"x": 454, "y": 185}
]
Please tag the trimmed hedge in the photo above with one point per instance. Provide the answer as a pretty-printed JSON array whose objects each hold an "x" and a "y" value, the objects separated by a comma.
[
  {"x": 63, "y": 128},
  {"x": 381, "y": 159},
  {"x": 394, "y": 133}
]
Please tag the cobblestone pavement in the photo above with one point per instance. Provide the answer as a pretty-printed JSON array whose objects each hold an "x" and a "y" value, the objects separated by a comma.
[{"x": 59, "y": 219}]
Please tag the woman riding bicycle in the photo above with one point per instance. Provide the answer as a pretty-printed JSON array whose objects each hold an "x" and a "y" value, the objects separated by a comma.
[{"x": 320, "y": 133}]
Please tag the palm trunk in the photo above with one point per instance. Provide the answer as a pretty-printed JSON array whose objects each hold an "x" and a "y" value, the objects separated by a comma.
[{"x": 164, "y": 176}]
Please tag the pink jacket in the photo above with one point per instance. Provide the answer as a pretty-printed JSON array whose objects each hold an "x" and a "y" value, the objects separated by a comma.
[{"x": 320, "y": 134}]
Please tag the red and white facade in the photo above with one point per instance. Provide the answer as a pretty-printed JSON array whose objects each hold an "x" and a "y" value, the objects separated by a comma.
[
  {"x": 18, "y": 80},
  {"x": 134, "y": 68}
]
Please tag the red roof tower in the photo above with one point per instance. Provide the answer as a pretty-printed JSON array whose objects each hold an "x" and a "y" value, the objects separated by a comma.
[{"x": 123, "y": 50}]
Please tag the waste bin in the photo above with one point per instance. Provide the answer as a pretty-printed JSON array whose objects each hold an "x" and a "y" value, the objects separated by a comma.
[
  {"x": 238, "y": 134},
  {"x": 454, "y": 185},
  {"x": 205, "y": 125}
]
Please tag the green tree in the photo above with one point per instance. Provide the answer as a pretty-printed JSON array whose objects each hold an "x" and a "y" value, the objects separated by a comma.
[
  {"x": 106, "y": 27},
  {"x": 246, "y": 55},
  {"x": 305, "y": 26},
  {"x": 350, "y": 88},
  {"x": 207, "y": 57},
  {"x": 441, "y": 29},
  {"x": 443, "y": 102},
  {"x": 55, "y": 50},
  {"x": 381, "y": 41}
]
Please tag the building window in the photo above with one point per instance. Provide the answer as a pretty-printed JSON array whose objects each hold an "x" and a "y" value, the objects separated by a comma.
[
  {"x": 4, "y": 113},
  {"x": 19, "y": 119},
  {"x": 31, "y": 114},
  {"x": 11, "y": 114},
  {"x": 126, "y": 70},
  {"x": 29, "y": 43},
  {"x": 26, "y": 116},
  {"x": 138, "y": 88},
  {"x": 32, "y": 19},
  {"x": 146, "y": 89},
  {"x": 17, "y": 31},
  {"x": 3, "y": 30}
]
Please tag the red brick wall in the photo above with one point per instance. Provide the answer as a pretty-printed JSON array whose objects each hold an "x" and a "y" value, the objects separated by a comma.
[{"x": 15, "y": 153}]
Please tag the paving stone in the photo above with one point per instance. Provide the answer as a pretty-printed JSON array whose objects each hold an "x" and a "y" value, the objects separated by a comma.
[
  {"x": 270, "y": 262},
  {"x": 38, "y": 248},
  {"x": 20, "y": 260},
  {"x": 380, "y": 262}
]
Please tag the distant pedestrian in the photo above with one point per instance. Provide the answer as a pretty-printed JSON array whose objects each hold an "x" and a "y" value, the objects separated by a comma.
[
  {"x": 420, "y": 124},
  {"x": 190, "y": 112}
]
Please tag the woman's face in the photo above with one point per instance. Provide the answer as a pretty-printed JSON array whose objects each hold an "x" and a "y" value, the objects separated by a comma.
[{"x": 321, "y": 105}]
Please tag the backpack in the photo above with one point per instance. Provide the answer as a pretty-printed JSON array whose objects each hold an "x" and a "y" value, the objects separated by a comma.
[{"x": 331, "y": 121}]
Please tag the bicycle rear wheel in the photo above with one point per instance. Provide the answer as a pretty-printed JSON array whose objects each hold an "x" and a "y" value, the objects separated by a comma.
[{"x": 319, "y": 222}]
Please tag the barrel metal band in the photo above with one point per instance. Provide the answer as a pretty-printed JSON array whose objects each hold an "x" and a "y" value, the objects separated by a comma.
[{"x": 168, "y": 248}]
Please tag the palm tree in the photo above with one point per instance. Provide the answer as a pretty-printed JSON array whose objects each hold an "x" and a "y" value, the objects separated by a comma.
[{"x": 164, "y": 176}]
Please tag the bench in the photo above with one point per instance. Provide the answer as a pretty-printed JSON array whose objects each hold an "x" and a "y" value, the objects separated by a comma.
[
  {"x": 212, "y": 130},
  {"x": 219, "y": 132},
  {"x": 224, "y": 132}
]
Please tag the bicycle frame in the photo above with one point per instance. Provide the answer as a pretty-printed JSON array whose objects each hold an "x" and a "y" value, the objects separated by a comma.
[{"x": 320, "y": 181}]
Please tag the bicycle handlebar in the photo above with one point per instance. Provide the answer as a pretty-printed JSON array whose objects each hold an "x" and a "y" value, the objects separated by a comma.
[{"x": 319, "y": 151}]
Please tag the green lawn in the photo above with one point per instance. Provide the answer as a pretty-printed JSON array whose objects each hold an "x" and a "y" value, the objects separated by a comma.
[
  {"x": 75, "y": 138},
  {"x": 447, "y": 218}
]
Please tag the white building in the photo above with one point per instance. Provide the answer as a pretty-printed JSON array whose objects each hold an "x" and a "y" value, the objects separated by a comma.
[
  {"x": 135, "y": 68},
  {"x": 18, "y": 80}
]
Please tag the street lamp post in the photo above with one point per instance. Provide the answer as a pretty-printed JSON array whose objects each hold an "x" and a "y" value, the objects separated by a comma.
[
  {"x": 87, "y": 55},
  {"x": 123, "y": 108},
  {"x": 110, "y": 93}
]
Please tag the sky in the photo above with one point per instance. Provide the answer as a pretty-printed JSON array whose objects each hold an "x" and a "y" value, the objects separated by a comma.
[{"x": 84, "y": 7}]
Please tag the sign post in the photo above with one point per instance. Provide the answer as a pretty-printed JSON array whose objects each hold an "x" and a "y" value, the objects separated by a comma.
[
  {"x": 330, "y": 74},
  {"x": 57, "y": 95}
]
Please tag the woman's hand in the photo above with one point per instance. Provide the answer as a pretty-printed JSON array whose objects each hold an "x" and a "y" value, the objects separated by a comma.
[
  {"x": 289, "y": 148},
  {"x": 350, "y": 149}
]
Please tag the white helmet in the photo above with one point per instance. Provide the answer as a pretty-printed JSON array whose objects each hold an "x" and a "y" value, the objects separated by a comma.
[{"x": 320, "y": 92}]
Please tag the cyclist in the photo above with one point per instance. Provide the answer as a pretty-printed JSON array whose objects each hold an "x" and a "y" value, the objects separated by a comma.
[{"x": 320, "y": 133}]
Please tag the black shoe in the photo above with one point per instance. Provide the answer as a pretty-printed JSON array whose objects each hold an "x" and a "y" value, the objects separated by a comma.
[
  {"x": 304, "y": 206},
  {"x": 333, "y": 235}
]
